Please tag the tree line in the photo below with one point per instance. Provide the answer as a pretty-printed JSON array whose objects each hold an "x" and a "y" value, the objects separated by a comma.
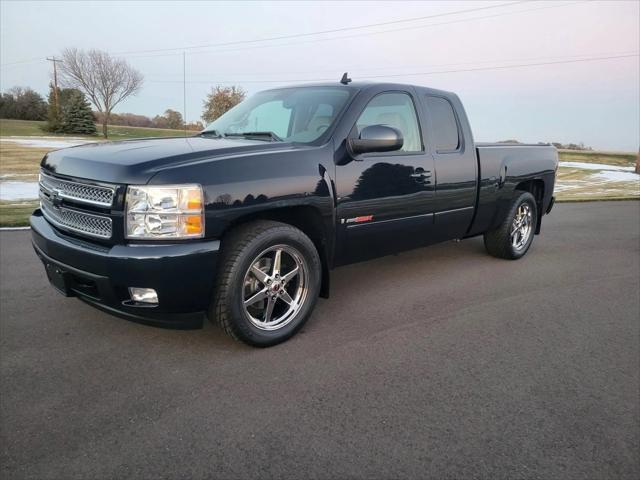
[
  {"x": 73, "y": 114},
  {"x": 94, "y": 78},
  {"x": 169, "y": 119},
  {"x": 22, "y": 104}
]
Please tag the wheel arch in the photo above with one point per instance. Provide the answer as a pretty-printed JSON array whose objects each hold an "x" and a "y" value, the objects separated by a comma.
[
  {"x": 536, "y": 188},
  {"x": 310, "y": 221}
]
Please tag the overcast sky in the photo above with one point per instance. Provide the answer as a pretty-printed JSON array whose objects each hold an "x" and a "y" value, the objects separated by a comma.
[{"x": 595, "y": 102}]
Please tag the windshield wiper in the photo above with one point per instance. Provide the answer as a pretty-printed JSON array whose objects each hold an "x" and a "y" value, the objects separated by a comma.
[
  {"x": 258, "y": 135},
  {"x": 210, "y": 133}
]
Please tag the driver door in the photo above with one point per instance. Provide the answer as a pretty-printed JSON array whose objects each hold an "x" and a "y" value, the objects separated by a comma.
[{"x": 386, "y": 200}]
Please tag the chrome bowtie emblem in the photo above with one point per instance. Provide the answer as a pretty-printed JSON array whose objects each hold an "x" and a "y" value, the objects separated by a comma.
[{"x": 55, "y": 199}]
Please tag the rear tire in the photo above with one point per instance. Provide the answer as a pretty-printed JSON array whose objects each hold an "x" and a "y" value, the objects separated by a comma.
[
  {"x": 268, "y": 283},
  {"x": 513, "y": 237}
]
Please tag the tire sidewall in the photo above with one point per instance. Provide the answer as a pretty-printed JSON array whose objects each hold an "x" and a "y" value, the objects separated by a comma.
[
  {"x": 527, "y": 198},
  {"x": 241, "y": 323}
]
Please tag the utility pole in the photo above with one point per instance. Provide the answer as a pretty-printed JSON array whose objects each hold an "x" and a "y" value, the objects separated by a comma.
[
  {"x": 184, "y": 91},
  {"x": 55, "y": 82}
]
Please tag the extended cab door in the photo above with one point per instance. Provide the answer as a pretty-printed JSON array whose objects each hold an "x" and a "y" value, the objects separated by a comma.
[
  {"x": 455, "y": 164},
  {"x": 385, "y": 200}
]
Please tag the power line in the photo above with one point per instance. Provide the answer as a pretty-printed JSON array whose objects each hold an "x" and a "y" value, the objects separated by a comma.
[
  {"x": 364, "y": 34},
  {"x": 133, "y": 54},
  {"x": 10, "y": 64},
  {"x": 321, "y": 32},
  {"x": 506, "y": 67},
  {"x": 409, "y": 74},
  {"x": 395, "y": 68}
]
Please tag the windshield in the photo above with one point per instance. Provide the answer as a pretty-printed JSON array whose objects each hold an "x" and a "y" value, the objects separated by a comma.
[{"x": 289, "y": 114}]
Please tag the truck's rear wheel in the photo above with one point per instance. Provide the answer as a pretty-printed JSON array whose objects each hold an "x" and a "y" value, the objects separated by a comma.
[
  {"x": 514, "y": 236},
  {"x": 268, "y": 283}
]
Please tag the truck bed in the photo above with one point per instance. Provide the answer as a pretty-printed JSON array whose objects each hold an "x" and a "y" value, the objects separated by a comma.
[{"x": 502, "y": 168}]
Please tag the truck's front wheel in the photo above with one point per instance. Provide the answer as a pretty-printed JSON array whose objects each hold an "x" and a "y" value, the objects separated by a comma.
[
  {"x": 514, "y": 236},
  {"x": 268, "y": 283}
]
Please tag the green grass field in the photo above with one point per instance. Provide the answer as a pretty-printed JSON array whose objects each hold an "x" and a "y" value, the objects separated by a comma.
[{"x": 25, "y": 128}]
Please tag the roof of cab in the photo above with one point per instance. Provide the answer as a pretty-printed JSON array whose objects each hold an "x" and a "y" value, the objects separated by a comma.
[{"x": 364, "y": 85}]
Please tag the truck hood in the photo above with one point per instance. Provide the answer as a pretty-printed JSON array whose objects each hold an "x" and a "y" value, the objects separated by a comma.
[{"x": 136, "y": 161}]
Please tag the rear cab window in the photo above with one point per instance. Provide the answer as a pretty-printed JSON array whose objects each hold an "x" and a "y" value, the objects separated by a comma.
[{"x": 445, "y": 130}]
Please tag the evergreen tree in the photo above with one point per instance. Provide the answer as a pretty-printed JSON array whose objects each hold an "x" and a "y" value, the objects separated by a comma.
[{"x": 76, "y": 114}]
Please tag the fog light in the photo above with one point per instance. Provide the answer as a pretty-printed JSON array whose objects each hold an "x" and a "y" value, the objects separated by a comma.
[{"x": 143, "y": 295}]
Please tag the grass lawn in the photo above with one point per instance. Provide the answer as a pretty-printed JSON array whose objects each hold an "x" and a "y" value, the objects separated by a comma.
[
  {"x": 26, "y": 128},
  {"x": 579, "y": 184},
  {"x": 20, "y": 162},
  {"x": 15, "y": 213},
  {"x": 619, "y": 159},
  {"x": 576, "y": 184}
]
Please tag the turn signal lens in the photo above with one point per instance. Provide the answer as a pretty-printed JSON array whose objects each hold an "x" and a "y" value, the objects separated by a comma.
[
  {"x": 193, "y": 224},
  {"x": 193, "y": 199}
]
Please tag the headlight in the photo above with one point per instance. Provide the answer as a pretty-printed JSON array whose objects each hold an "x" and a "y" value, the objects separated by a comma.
[{"x": 174, "y": 211}]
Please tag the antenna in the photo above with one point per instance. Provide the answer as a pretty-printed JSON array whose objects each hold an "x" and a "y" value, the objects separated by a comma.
[{"x": 345, "y": 80}]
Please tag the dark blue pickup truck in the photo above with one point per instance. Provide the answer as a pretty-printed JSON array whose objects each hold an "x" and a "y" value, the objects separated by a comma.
[{"x": 244, "y": 222}]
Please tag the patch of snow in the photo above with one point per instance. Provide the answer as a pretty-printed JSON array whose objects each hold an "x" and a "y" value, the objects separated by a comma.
[
  {"x": 20, "y": 203},
  {"x": 18, "y": 190},
  {"x": 616, "y": 176},
  {"x": 596, "y": 166},
  {"x": 571, "y": 184},
  {"x": 14, "y": 175},
  {"x": 563, "y": 187},
  {"x": 47, "y": 142}
]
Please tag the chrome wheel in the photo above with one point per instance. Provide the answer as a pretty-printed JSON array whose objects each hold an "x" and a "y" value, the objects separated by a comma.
[
  {"x": 275, "y": 287},
  {"x": 521, "y": 227}
]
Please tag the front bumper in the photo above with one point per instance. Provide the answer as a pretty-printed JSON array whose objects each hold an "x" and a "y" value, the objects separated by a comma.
[{"x": 182, "y": 274}]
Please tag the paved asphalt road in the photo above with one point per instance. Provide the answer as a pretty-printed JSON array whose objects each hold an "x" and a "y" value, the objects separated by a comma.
[{"x": 441, "y": 362}]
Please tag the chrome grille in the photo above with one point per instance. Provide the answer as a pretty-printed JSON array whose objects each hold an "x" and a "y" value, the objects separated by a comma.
[
  {"x": 80, "y": 222},
  {"x": 77, "y": 192}
]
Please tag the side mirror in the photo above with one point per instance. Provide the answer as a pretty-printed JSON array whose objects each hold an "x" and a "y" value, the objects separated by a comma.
[{"x": 376, "y": 138}]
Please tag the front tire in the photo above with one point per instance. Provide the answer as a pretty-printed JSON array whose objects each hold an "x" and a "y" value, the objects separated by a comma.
[
  {"x": 513, "y": 237},
  {"x": 268, "y": 283}
]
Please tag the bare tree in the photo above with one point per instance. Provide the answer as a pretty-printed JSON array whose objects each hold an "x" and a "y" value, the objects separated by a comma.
[{"x": 105, "y": 80}]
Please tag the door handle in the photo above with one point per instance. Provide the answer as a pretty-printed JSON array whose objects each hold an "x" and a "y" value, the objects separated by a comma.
[{"x": 421, "y": 175}]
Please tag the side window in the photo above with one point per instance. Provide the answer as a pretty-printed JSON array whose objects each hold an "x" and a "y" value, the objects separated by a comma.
[
  {"x": 269, "y": 116},
  {"x": 445, "y": 128},
  {"x": 395, "y": 110}
]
